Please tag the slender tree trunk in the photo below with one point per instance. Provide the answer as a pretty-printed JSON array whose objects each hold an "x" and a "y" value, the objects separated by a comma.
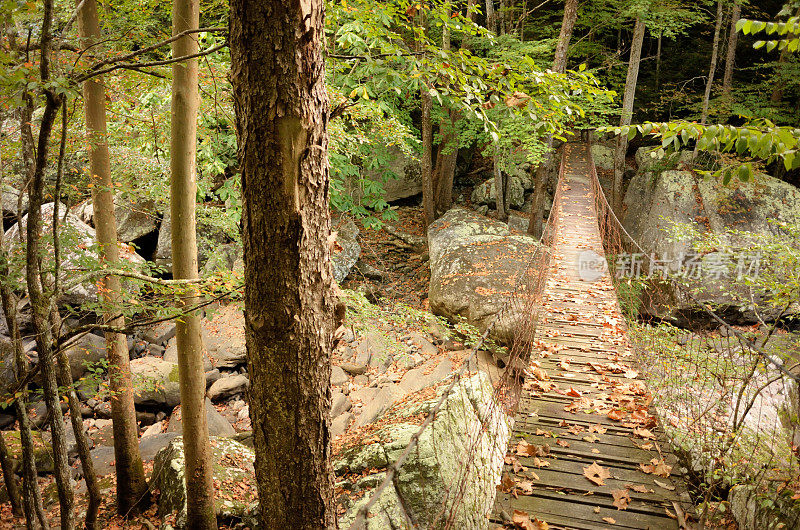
[
  {"x": 428, "y": 195},
  {"x": 777, "y": 92},
  {"x": 567, "y": 26},
  {"x": 40, "y": 303},
  {"x": 499, "y": 190},
  {"x": 445, "y": 168},
  {"x": 31, "y": 496},
  {"x": 730, "y": 56},
  {"x": 131, "y": 483},
  {"x": 712, "y": 69},
  {"x": 658, "y": 61},
  {"x": 278, "y": 77},
  {"x": 183, "y": 192},
  {"x": 546, "y": 167},
  {"x": 10, "y": 479},
  {"x": 491, "y": 16},
  {"x": 627, "y": 112}
]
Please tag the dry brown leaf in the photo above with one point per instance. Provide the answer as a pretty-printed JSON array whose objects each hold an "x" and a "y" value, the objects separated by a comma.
[
  {"x": 596, "y": 474},
  {"x": 592, "y": 438},
  {"x": 518, "y": 467},
  {"x": 621, "y": 499},
  {"x": 610, "y": 520},
  {"x": 616, "y": 415},
  {"x": 644, "y": 433},
  {"x": 522, "y": 520},
  {"x": 525, "y": 487},
  {"x": 640, "y": 488},
  {"x": 506, "y": 483},
  {"x": 574, "y": 393},
  {"x": 562, "y": 443},
  {"x": 525, "y": 449},
  {"x": 599, "y": 429}
]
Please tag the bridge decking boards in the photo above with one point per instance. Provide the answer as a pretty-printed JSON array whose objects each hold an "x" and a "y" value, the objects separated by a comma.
[{"x": 581, "y": 323}]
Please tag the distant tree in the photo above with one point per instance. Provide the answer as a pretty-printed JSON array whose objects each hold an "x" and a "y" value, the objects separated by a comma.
[
  {"x": 730, "y": 55},
  {"x": 278, "y": 77}
]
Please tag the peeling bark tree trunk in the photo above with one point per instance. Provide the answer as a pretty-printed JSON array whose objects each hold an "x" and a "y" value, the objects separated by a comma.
[
  {"x": 200, "y": 510},
  {"x": 627, "y": 113},
  {"x": 730, "y": 56},
  {"x": 546, "y": 167},
  {"x": 131, "y": 483},
  {"x": 278, "y": 77}
]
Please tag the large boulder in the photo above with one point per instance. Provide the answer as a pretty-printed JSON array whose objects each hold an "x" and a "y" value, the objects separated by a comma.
[
  {"x": 84, "y": 352},
  {"x": 347, "y": 250},
  {"x": 487, "y": 194},
  {"x": 235, "y": 495},
  {"x": 217, "y": 424},
  {"x": 135, "y": 218},
  {"x": 603, "y": 156},
  {"x": 404, "y": 175},
  {"x": 667, "y": 211},
  {"x": 468, "y": 423},
  {"x": 223, "y": 338},
  {"x": 155, "y": 382},
  {"x": 210, "y": 239},
  {"x": 78, "y": 250},
  {"x": 475, "y": 264},
  {"x": 9, "y": 201}
]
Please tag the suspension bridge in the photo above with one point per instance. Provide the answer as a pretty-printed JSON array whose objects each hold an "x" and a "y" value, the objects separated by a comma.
[{"x": 588, "y": 449}]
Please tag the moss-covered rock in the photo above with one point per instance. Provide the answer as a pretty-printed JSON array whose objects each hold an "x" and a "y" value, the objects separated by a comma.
[
  {"x": 235, "y": 496},
  {"x": 467, "y": 424},
  {"x": 42, "y": 451}
]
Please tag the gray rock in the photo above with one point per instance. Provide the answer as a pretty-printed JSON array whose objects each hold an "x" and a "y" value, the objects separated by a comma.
[
  {"x": 212, "y": 238},
  {"x": 472, "y": 260},
  {"x": 83, "y": 352},
  {"x": 42, "y": 451},
  {"x": 217, "y": 424},
  {"x": 425, "y": 346},
  {"x": 363, "y": 395},
  {"x": 404, "y": 175},
  {"x": 103, "y": 459},
  {"x": 466, "y": 423},
  {"x": 353, "y": 368},
  {"x": 603, "y": 156},
  {"x": 486, "y": 194},
  {"x": 385, "y": 397},
  {"x": 339, "y": 404},
  {"x": 347, "y": 250},
  {"x": 212, "y": 376},
  {"x": 135, "y": 218},
  {"x": 655, "y": 201},
  {"x": 339, "y": 377},
  {"x": 82, "y": 249},
  {"x": 149, "y": 446},
  {"x": 9, "y": 197},
  {"x": 233, "y": 473},
  {"x": 155, "y": 382},
  {"x": 340, "y": 423},
  {"x": 223, "y": 338},
  {"x": 227, "y": 387}
]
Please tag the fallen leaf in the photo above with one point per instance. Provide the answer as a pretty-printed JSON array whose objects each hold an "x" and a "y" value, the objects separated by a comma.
[
  {"x": 573, "y": 393},
  {"x": 562, "y": 443},
  {"x": 592, "y": 438},
  {"x": 664, "y": 485},
  {"x": 621, "y": 499},
  {"x": 616, "y": 415},
  {"x": 610, "y": 520},
  {"x": 599, "y": 429},
  {"x": 525, "y": 449},
  {"x": 525, "y": 487},
  {"x": 640, "y": 488},
  {"x": 506, "y": 483},
  {"x": 596, "y": 474},
  {"x": 644, "y": 433},
  {"x": 631, "y": 374}
]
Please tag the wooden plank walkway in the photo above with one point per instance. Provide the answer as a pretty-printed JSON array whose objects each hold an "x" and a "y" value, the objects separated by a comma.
[{"x": 585, "y": 403}]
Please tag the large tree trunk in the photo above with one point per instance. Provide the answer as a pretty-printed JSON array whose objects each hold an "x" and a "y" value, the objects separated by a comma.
[
  {"x": 131, "y": 483},
  {"x": 627, "y": 112},
  {"x": 444, "y": 171},
  {"x": 278, "y": 77},
  {"x": 730, "y": 56},
  {"x": 712, "y": 69},
  {"x": 546, "y": 168},
  {"x": 428, "y": 194},
  {"x": 183, "y": 192}
]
